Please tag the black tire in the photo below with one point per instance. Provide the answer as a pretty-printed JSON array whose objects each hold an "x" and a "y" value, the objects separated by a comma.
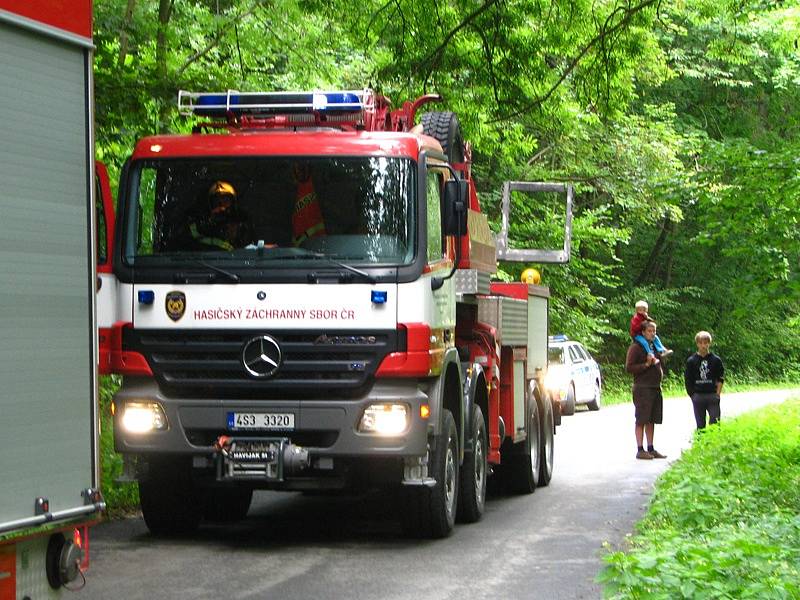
[
  {"x": 430, "y": 512},
  {"x": 171, "y": 503},
  {"x": 522, "y": 471},
  {"x": 595, "y": 402},
  {"x": 226, "y": 505},
  {"x": 568, "y": 404},
  {"x": 445, "y": 128},
  {"x": 474, "y": 471},
  {"x": 547, "y": 446}
]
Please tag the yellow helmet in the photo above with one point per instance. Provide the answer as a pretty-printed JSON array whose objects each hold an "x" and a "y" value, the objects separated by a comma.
[
  {"x": 221, "y": 188},
  {"x": 531, "y": 275}
]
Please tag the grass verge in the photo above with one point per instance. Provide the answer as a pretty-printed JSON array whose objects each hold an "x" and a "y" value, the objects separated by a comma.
[{"x": 724, "y": 521}]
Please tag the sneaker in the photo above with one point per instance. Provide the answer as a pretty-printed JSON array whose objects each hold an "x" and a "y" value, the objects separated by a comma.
[
  {"x": 667, "y": 353},
  {"x": 656, "y": 454},
  {"x": 644, "y": 455}
]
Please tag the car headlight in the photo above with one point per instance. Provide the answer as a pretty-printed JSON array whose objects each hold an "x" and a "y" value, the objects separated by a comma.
[
  {"x": 556, "y": 380},
  {"x": 388, "y": 418},
  {"x": 143, "y": 417}
]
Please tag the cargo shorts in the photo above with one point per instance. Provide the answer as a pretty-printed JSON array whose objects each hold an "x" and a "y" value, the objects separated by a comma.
[{"x": 649, "y": 404}]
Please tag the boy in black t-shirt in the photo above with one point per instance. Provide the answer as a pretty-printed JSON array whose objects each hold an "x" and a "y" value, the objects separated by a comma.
[{"x": 704, "y": 376}]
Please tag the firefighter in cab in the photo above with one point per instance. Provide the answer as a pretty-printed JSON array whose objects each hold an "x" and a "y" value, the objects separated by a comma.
[
  {"x": 307, "y": 222},
  {"x": 224, "y": 226}
]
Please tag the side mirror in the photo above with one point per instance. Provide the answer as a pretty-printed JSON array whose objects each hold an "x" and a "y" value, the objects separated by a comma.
[{"x": 454, "y": 209}]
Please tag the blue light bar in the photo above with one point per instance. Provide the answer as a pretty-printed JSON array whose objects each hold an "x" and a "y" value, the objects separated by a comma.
[
  {"x": 559, "y": 337},
  {"x": 215, "y": 104}
]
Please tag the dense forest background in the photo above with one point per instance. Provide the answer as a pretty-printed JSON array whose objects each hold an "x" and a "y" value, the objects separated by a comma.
[{"x": 677, "y": 122}]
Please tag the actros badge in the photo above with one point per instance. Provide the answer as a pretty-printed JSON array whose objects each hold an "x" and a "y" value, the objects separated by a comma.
[{"x": 175, "y": 304}]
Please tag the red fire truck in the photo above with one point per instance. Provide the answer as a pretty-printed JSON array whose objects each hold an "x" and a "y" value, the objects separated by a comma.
[
  {"x": 48, "y": 402},
  {"x": 304, "y": 301}
]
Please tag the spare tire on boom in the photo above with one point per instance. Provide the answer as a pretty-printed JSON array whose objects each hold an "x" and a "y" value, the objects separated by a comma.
[{"x": 444, "y": 127}]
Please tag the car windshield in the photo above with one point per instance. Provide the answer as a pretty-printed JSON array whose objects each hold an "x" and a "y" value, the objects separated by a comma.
[
  {"x": 271, "y": 211},
  {"x": 555, "y": 355}
]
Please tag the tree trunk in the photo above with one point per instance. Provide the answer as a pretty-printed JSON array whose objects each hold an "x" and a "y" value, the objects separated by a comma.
[
  {"x": 164, "y": 13},
  {"x": 123, "y": 33},
  {"x": 652, "y": 260}
]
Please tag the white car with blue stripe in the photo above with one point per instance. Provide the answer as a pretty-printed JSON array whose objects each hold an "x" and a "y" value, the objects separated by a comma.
[{"x": 573, "y": 374}]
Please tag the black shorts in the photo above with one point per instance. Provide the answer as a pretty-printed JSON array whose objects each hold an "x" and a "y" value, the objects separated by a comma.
[{"x": 649, "y": 405}]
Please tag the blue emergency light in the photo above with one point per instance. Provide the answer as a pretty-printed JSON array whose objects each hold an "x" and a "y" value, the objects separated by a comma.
[
  {"x": 217, "y": 104},
  {"x": 379, "y": 296},
  {"x": 146, "y": 296}
]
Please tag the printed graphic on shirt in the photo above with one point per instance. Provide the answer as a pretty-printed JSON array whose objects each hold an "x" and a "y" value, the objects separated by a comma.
[{"x": 704, "y": 370}]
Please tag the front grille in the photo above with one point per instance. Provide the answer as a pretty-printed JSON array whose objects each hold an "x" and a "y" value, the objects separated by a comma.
[{"x": 208, "y": 364}]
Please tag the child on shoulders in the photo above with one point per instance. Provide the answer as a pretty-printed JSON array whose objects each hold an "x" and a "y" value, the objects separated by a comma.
[{"x": 639, "y": 318}]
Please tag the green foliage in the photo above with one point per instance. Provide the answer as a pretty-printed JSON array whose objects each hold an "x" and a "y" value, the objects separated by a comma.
[
  {"x": 120, "y": 498},
  {"x": 677, "y": 123},
  {"x": 723, "y": 522}
]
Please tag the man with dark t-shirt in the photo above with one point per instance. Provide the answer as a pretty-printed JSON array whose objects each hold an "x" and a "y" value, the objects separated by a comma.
[
  {"x": 703, "y": 377},
  {"x": 647, "y": 398}
]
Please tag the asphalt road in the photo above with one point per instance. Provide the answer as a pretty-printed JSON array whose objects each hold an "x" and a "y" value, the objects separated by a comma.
[{"x": 547, "y": 545}]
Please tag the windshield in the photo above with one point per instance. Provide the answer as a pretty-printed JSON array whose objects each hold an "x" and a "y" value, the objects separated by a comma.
[
  {"x": 250, "y": 211},
  {"x": 555, "y": 355}
]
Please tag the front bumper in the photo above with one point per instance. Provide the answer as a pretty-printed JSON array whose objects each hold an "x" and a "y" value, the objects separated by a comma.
[{"x": 325, "y": 427}]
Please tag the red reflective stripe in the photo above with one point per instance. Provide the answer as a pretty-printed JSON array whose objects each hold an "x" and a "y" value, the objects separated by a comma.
[
  {"x": 416, "y": 360},
  {"x": 512, "y": 290}
]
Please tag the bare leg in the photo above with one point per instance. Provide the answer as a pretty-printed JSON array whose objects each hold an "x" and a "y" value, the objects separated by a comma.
[
  {"x": 649, "y": 430},
  {"x": 639, "y": 435}
]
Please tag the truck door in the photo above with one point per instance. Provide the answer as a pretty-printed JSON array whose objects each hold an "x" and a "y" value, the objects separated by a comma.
[{"x": 106, "y": 282}]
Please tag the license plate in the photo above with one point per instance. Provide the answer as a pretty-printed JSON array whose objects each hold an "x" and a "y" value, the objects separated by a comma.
[{"x": 238, "y": 421}]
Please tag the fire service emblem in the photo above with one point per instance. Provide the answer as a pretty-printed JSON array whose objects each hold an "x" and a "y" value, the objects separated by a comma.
[{"x": 175, "y": 305}]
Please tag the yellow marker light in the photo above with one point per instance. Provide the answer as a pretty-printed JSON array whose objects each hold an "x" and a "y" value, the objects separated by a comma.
[
  {"x": 385, "y": 419},
  {"x": 113, "y": 408},
  {"x": 424, "y": 411},
  {"x": 143, "y": 417}
]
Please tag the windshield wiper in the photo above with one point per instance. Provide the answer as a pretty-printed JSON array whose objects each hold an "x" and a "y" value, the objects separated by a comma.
[
  {"x": 302, "y": 253},
  {"x": 230, "y": 276}
]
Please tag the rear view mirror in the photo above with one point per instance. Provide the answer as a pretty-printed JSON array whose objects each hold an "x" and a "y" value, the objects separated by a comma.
[{"x": 454, "y": 210}]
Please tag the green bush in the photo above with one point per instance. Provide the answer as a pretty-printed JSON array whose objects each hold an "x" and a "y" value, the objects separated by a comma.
[
  {"x": 121, "y": 498},
  {"x": 724, "y": 521}
]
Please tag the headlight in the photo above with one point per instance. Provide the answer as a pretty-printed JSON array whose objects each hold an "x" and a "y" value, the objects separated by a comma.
[
  {"x": 556, "y": 380},
  {"x": 142, "y": 417},
  {"x": 385, "y": 419}
]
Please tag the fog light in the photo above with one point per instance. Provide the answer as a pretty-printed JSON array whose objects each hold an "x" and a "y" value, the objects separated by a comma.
[
  {"x": 141, "y": 417},
  {"x": 385, "y": 419}
]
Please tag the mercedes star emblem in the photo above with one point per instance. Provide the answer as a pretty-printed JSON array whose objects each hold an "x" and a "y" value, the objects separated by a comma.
[{"x": 261, "y": 356}]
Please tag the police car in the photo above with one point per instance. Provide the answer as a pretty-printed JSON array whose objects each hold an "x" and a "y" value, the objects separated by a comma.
[{"x": 573, "y": 374}]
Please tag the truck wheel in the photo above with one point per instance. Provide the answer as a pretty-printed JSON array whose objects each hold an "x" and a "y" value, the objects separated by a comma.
[
  {"x": 595, "y": 403},
  {"x": 547, "y": 443},
  {"x": 568, "y": 405},
  {"x": 226, "y": 505},
  {"x": 472, "y": 488},
  {"x": 523, "y": 467},
  {"x": 445, "y": 128},
  {"x": 429, "y": 512},
  {"x": 171, "y": 503}
]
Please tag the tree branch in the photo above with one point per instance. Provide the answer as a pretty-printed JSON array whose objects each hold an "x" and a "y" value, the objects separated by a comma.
[
  {"x": 433, "y": 58},
  {"x": 629, "y": 12},
  {"x": 217, "y": 38}
]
